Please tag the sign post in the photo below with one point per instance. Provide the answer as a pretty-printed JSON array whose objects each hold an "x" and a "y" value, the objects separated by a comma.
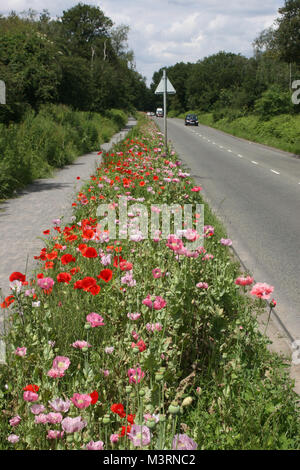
[
  {"x": 165, "y": 87},
  {"x": 2, "y": 92}
]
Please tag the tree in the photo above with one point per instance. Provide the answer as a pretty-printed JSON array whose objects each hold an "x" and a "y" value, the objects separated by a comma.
[
  {"x": 28, "y": 65},
  {"x": 287, "y": 35},
  {"x": 84, "y": 28}
]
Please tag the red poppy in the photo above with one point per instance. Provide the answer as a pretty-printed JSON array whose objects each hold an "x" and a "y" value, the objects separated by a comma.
[
  {"x": 31, "y": 388},
  {"x": 118, "y": 408},
  {"x": 106, "y": 275},
  {"x": 74, "y": 270},
  {"x": 7, "y": 301},
  {"x": 88, "y": 234},
  {"x": 94, "y": 290},
  {"x": 130, "y": 418},
  {"x": 89, "y": 252},
  {"x": 52, "y": 255},
  {"x": 88, "y": 282},
  {"x": 71, "y": 238},
  {"x": 78, "y": 284},
  {"x": 46, "y": 232},
  {"x": 118, "y": 260},
  {"x": 126, "y": 429},
  {"x": 126, "y": 266},
  {"x": 94, "y": 396},
  {"x": 49, "y": 265},
  {"x": 16, "y": 276},
  {"x": 64, "y": 277},
  {"x": 67, "y": 258},
  {"x": 40, "y": 276}
]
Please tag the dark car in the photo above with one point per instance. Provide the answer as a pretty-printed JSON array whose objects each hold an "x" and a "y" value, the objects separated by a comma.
[{"x": 191, "y": 120}]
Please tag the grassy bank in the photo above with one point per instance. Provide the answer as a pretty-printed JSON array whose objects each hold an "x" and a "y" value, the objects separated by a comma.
[
  {"x": 140, "y": 343},
  {"x": 282, "y": 132},
  {"x": 51, "y": 139}
]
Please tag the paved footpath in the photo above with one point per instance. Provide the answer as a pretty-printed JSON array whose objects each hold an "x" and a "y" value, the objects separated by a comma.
[{"x": 23, "y": 219}]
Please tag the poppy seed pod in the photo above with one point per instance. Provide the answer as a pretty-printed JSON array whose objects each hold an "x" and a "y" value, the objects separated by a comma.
[
  {"x": 187, "y": 401},
  {"x": 173, "y": 409}
]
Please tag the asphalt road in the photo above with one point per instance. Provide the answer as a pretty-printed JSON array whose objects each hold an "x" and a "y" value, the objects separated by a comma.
[{"x": 255, "y": 191}]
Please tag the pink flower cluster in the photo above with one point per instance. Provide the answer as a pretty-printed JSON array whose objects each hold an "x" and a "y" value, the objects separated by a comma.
[
  {"x": 59, "y": 366},
  {"x": 157, "y": 304},
  {"x": 154, "y": 327}
]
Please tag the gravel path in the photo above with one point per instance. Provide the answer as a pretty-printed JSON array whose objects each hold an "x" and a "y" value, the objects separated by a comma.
[{"x": 23, "y": 219}]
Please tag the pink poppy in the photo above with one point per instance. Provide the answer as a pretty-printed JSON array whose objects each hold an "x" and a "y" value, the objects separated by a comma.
[
  {"x": 81, "y": 400},
  {"x": 71, "y": 425},
  {"x": 262, "y": 290},
  {"x": 94, "y": 319},
  {"x": 30, "y": 396},
  {"x": 61, "y": 363}
]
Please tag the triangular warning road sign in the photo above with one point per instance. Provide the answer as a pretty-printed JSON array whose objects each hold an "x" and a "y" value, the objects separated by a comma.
[{"x": 161, "y": 87}]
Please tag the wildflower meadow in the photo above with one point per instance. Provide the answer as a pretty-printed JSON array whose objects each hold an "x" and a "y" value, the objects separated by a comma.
[{"x": 140, "y": 342}]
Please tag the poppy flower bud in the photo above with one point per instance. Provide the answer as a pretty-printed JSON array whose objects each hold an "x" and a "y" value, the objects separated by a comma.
[
  {"x": 273, "y": 303},
  {"x": 151, "y": 423},
  {"x": 87, "y": 326}
]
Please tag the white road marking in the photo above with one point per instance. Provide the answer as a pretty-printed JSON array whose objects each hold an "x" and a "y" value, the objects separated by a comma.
[
  {"x": 228, "y": 150},
  {"x": 239, "y": 155},
  {"x": 276, "y": 172},
  {"x": 255, "y": 163}
]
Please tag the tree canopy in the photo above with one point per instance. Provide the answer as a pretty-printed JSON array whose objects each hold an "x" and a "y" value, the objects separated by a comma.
[{"x": 80, "y": 59}]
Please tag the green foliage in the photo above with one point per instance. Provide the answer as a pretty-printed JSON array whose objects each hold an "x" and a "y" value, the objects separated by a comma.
[
  {"x": 50, "y": 139},
  {"x": 287, "y": 35},
  {"x": 273, "y": 102},
  {"x": 80, "y": 60}
]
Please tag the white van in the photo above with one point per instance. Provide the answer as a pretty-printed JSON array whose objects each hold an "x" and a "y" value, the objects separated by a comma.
[{"x": 159, "y": 112}]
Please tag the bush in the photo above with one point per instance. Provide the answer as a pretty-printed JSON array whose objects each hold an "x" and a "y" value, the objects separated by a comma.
[{"x": 273, "y": 102}]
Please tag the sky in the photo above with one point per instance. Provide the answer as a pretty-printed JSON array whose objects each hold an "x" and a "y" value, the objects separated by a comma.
[{"x": 165, "y": 32}]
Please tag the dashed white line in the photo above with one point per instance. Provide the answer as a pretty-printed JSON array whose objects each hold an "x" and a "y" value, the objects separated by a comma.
[
  {"x": 239, "y": 155},
  {"x": 255, "y": 163},
  {"x": 228, "y": 150},
  {"x": 276, "y": 172}
]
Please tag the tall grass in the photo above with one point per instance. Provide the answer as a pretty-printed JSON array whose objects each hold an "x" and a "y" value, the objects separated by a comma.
[{"x": 50, "y": 139}]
